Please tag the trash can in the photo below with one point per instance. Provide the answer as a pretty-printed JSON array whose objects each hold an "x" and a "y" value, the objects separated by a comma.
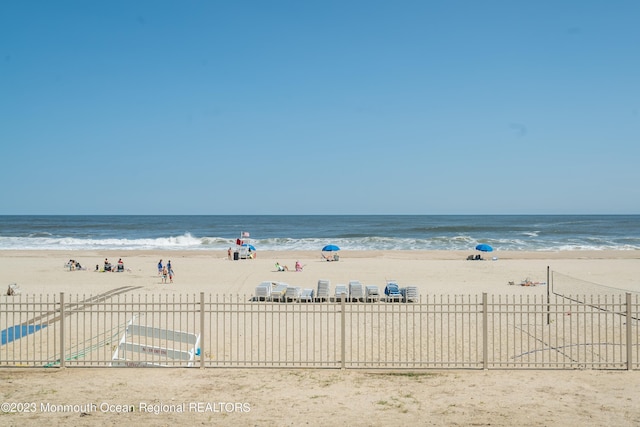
[{"x": 236, "y": 256}]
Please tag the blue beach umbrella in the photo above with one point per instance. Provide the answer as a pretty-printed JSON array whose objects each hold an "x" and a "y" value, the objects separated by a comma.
[
  {"x": 250, "y": 247},
  {"x": 484, "y": 248},
  {"x": 330, "y": 248}
]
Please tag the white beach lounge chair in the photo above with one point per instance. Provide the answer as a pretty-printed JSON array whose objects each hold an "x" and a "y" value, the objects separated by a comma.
[
  {"x": 307, "y": 295},
  {"x": 292, "y": 294},
  {"x": 410, "y": 293},
  {"x": 278, "y": 291},
  {"x": 263, "y": 291},
  {"x": 341, "y": 292},
  {"x": 356, "y": 290},
  {"x": 323, "y": 290},
  {"x": 371, "y": 293}
]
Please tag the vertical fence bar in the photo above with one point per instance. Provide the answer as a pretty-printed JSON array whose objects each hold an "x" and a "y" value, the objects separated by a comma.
[
  {"x": 343, "y": 350},
  {"x": 62, "y": 357},
  {"x": 634, "y": 312},
  {"x": 202, "y": 339},
  {"x": 629, "y": 334},
  {"x": 548, "y": 298},
  {"x": 485, "y": 332}
]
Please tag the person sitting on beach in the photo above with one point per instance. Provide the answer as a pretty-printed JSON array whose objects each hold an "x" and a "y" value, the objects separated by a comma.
[
  {"x": 281, "y": 267},
  {"x": 107, "y": 265},
  {"x": 333, "y": 257},
  {"x": 74, "y": 265},
  {"x": 120, "y": 266},
  {"x": 298, "y": 266}
]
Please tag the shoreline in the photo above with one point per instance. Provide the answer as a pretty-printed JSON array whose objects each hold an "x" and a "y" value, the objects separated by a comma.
[{"x": 430, "y": 254}]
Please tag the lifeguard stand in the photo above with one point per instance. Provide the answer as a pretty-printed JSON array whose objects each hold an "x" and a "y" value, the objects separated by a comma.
[{"x": 242, "y": 245}]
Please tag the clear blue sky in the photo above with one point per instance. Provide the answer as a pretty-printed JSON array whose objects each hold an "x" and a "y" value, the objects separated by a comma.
[{"x": 319, "y": 107}]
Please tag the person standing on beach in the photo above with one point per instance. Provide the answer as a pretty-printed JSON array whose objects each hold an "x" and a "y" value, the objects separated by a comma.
[
  {"x": 170, "y": 271},
  {"x": 160, "y": 268}
]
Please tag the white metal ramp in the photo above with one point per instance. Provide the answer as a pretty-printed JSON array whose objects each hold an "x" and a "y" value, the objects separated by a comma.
[{"x": 148, "y": 346}]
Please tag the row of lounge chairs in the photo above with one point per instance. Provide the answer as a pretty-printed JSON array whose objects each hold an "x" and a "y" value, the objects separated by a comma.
[{"x": 353, "y": 292}]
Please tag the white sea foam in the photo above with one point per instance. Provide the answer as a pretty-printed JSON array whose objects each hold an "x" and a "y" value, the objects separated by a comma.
[
  {"x": 184, "y": 242},
  {"x": 361, "y": 232},
  {"x": 187, "y": 241}
]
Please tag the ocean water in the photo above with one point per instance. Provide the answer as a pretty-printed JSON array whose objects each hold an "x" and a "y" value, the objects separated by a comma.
[{"x": 312, "y": 232}]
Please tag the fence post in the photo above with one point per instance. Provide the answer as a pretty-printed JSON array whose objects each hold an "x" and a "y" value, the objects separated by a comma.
[
  {"x": 343, "y": 338},
  {"x": 201, "y": 330},
  {"x": 62, "y": 356},
  {"x": 629, "y": 334},
  {"x": 485, "y": 332}
]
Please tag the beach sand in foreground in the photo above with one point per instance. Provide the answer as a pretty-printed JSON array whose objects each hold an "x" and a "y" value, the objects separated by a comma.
[
  {"x": 324, "y": 397},
  {"x": 321, "y": 397}
]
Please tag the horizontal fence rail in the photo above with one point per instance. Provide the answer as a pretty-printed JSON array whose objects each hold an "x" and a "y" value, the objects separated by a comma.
[{"x": 118, "y": 328}]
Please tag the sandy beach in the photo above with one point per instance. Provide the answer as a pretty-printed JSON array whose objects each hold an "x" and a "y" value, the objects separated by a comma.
[
  {"x": 320, "y": 397},
  {"x": 434, "y": 272}
]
